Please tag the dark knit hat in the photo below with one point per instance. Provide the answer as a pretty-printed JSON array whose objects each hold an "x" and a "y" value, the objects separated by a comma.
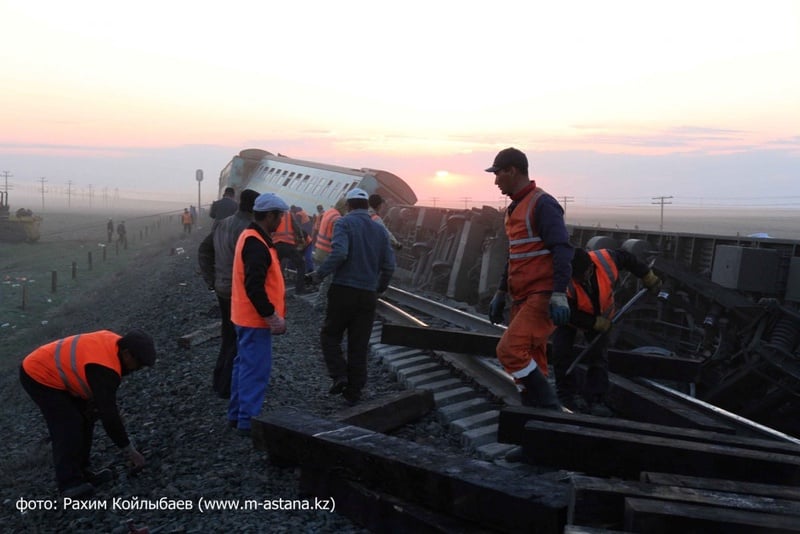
[
  {"x": 141, "y": 346},
  {"x": 247, "y": 199},
  {"x": 580, "y": 261}
]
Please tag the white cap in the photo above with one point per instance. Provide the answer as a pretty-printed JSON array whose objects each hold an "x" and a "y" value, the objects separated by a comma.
[
  {"x": 357, "y": 193},
  {"x": 269, "y": 202}
]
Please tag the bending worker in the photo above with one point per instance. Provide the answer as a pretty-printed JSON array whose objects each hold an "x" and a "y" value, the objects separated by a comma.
[
  {"x": 535, "y": 277},
  {"x": 74, "y": 380},
  {"x": 591, "y": 298}
]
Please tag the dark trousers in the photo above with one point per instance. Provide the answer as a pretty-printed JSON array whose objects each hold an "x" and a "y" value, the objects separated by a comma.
[
  {"x": 351, "y": 310},
  {"x": 71, "y": 425},
  {"x": 227, "y": 350},
  {"x": 596, "y": 381},
  {"x": 290, "y": 252}
]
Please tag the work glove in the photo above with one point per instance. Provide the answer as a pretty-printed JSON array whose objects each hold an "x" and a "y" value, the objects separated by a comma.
[
  {"x": 652, "y": 282},
  {"x": 397, "y": 246},
  {"x": 277, "y": 324},
  {"x": 602, "y": 324},
  {"x": 559, "y": 308},
  {"x": 497, "y": 307}
]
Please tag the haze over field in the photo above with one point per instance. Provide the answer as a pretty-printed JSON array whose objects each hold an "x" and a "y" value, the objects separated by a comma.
[{"x": 615, "y": 102}]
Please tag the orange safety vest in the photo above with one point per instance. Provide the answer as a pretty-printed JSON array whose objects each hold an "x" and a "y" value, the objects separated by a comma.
[
  {"x": 61, "y": 364},
  {"x": 285, "y": 231},
  {"x": 530, "y": 266},
  {"x": 325, "y": 235},
  {"x": 607, "y": 275},
  {"x": 186, "y": 217},
  {"x": 243, "y": 313},
  {"x": 303, "y": 216}
]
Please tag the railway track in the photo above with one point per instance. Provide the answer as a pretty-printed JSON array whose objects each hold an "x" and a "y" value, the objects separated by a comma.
[{"x": 470, "y": 390}]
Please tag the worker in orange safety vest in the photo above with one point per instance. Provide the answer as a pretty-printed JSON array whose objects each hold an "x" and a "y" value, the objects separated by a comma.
[{"x": 74, "y": 381}]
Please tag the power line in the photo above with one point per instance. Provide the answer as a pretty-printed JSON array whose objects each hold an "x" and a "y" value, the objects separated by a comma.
[{"x": 564, "y": 201}]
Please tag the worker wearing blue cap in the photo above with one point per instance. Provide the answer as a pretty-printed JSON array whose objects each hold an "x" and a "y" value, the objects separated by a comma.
[{"x": 257, "y": 310}]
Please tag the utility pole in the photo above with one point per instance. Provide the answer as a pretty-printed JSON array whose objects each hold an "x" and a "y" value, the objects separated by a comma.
[
  {"x": 662, "y": 201},
  {"x": 6, "y": 176},
  {"x": 42, "y": 180},
  {"x": 69, "y": 194},
  {"x": 564, "y": 201},
  {"x": 434, "y": 199},
  {"x": 198, "y": 175},
  {"x": 466, "y": 199}
]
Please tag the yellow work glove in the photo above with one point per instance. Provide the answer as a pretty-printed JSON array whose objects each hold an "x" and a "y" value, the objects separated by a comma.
[
  {"x": 601, "y": 324},
  {"x": 651, "y": 282}
]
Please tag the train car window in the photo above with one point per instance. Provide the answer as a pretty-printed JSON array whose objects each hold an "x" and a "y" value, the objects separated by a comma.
[{"x": 286, "y": 182}]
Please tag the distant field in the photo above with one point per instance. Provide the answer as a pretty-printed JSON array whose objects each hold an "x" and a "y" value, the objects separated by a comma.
[
  {"x": 26, "y": 269},
  {"x": 780, "y": 224}
]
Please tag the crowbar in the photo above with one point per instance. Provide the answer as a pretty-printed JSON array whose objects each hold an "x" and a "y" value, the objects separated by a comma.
[{"x": 614, "y": 320}]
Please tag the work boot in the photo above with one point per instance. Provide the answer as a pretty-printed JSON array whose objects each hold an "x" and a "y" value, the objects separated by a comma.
[
  {"x": 351, "y": 395},
  {"x": 339, "y": 385},
  {"x": 97, "y": 478},
  {"x": 575, "y": 403},
  {"x": 81, "y": 491},
  {"x": 598, "y": 407},
  {"x": 538, "y": 392}
]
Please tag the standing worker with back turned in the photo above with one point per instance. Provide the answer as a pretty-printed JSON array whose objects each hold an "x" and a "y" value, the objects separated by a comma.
[
  {"x": 224, "y": 207},
  {"x": 361, "y": 263},
  {"x": 215, "y": 256},
  {"x": 535, "y": 277},
  {"x": 74, "y": 381},
  {"x": 258, "y": 309}
]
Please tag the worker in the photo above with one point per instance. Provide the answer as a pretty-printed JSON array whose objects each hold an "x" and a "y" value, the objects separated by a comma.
[
  {"x": 290, "y": 242},
  {"x": 307, "y": 226},
  {"x": 224, "y": 207},
  {"x": 322, "y": 247},
  {"x": 122, "y": 235},
  {"x": 258, "y": 310},
  {"x": 361, "y": 263},
  {"x": 590, "y": 294},
  {"x": 74, "y": 381},
  {"x": 215, "y": 256},
  {"x": 186, "y": 220},
  {"x": 110, "y": 229},
  {"x": 375, "y": 204},
  {"x": 535, "y": 278}
]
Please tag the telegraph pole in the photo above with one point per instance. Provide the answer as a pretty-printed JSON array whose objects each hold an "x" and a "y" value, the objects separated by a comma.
[
  {"x": 69, "y": 193},
  {"x": 6, "y": 176},
  {"x": 42, "y": 180},
  {"x": 564, "y": 201},
  {"x": 434, "y": 199},
  {"x": 466, "y": 199},
  {"x": 662, "y": 201},
  {"x": 198, "y": 175}
]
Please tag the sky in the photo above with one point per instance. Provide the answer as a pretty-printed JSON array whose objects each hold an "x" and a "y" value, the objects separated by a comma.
[{"x": 615, "y": 103}]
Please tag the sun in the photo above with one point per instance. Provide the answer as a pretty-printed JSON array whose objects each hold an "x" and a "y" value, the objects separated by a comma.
[{"x": 442, "y": 174}]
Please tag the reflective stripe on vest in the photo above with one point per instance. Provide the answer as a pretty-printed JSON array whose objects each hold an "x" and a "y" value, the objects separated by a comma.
[{"x": 73, "y": 367}]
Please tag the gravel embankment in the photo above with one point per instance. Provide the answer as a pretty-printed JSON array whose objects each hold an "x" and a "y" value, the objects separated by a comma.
[{"x": 174, "y": 417}]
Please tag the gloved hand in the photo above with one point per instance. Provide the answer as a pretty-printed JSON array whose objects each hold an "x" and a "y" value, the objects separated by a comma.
[
  {"x": 602, "y": 324},
  {"x": 397, "y": 246},
  {"x": 559, "y": 308},
  {"x": 277, "y": 324},
  {"x": 496, "y": 307},
  {"x": 652, "y": 282}
]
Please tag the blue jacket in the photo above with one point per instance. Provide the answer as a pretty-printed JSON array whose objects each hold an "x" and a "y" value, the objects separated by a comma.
[{"x": 361, "y": 254}]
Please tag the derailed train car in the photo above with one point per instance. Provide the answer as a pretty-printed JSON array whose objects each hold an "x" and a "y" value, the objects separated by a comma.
[{"x": 306, "y": 183}]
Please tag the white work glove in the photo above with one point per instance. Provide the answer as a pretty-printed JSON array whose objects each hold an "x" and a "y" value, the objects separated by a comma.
[
  {"x": 559, "y": 309},
  {"x": 277, "y": 324}
]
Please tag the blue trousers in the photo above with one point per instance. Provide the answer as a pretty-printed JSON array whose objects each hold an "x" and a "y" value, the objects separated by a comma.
[{"x": 250, "y": 377}]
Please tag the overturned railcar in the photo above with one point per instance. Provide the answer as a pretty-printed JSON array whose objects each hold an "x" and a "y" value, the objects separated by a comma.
[{"x": 306, "y": 183}]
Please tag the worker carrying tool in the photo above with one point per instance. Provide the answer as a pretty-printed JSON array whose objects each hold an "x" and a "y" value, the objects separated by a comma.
[
  {"x": 74, "y": 381},
  {"x": 590, "y": 294}
]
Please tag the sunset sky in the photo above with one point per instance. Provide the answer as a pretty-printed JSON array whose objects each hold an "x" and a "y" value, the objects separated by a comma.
[{"x": 614, "y": 102}]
